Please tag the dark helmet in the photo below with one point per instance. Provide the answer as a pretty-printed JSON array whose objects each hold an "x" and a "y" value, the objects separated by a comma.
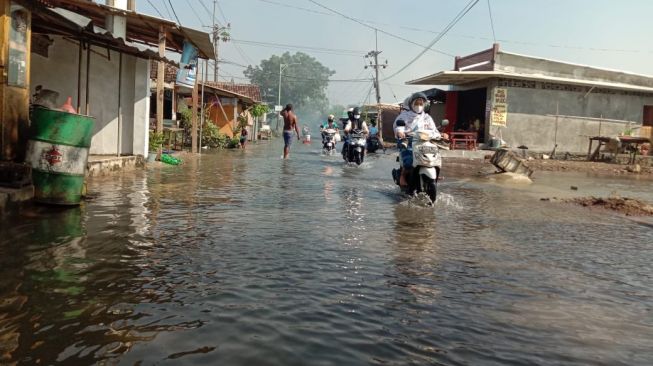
[
  {"x": 350, "y": 113},
  {"x": 356, "y": 111}
]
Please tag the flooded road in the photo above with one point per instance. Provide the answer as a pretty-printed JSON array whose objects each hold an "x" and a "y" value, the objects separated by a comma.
[{"x": 240, "y": 258}]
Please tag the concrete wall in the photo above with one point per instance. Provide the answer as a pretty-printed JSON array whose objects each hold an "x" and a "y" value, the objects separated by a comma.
[
  {"x": 59, "y": 72},
  {"x": 532, "y": 65},
  {"x": 532, "y": 122}
]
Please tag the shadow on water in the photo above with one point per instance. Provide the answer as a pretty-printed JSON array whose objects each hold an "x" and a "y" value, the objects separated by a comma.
[{"x": 240, "y": 258}]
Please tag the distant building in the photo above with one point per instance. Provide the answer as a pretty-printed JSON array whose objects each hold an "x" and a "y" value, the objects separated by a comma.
[{"x": 538, "y": 102}]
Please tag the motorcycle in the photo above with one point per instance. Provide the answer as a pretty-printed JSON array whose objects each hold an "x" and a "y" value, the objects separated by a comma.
[
  {"x": 328, "y": 141},
  {"x": 355, "y": 151},
  {"x": 373, "y": 144},
  {"x": 424, "y": 171}
]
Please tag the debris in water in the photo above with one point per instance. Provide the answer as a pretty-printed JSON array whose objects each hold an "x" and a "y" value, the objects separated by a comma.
[{"x": 626, "y": 206}]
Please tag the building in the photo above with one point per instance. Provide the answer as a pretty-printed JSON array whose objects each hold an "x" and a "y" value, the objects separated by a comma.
[
  {"x": 95, "y": 54},
  {"x": 541, "y": 103}
]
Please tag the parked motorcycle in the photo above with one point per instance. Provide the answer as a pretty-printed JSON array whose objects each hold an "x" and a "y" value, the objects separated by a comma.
[
  {"x": 329, "y": 141},
  {"x": 423, "y": 172},
  {"x": 355, "y": 151},
  {"x": 373, "y": 144}
]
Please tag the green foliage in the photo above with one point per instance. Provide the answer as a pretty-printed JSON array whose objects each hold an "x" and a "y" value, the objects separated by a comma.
[
  {"x": 212, "y": 137},
  {"x": 186, "y": 115},
  {"x": 259, "y": 109},
  {"x": 155, "y": 141},
  {"x": 303, "y": 83},
  {"x": 233, "y": 142}
]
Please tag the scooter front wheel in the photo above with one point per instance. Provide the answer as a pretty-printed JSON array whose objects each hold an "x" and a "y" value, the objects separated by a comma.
[{"x": 429, "y": 186}]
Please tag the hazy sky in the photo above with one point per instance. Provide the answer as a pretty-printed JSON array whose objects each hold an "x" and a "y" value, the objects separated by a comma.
[{"x": 604, "y": 33}]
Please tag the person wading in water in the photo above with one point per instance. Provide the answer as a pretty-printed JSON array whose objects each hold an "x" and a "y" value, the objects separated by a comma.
[{"x": 289, "y": 124}]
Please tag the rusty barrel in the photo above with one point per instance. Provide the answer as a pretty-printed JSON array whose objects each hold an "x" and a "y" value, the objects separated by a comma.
[{"x": 58, "y": 153}]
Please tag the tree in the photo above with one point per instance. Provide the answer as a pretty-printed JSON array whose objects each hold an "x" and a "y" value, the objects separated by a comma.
[{"x": 303, "y": 83}]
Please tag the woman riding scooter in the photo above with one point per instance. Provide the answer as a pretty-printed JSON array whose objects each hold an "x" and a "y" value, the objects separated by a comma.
[{"x": 414, "y": 118}]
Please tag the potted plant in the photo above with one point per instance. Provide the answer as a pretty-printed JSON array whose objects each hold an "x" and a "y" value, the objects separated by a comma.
[{"x": 156, "y": 140}]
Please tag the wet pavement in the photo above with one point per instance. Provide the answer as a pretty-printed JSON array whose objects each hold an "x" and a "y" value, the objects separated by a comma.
[{"x": 240, "y": 258}]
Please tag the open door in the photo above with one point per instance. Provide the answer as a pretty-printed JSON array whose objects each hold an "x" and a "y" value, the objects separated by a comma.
[{"x": 647, "y": 117}]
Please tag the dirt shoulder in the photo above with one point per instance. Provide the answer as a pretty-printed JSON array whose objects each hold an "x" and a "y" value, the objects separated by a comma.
[
  {"x": 589, "y": 167},
  {"x": 626, "y": 206}
]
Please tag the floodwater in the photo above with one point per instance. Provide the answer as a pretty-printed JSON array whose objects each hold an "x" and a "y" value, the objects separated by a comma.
[{"x": 240, "y": 258}]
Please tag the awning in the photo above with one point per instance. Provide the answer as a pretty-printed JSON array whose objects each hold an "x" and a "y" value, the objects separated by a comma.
[
  {"x": 461, "y": 78},
  {"x": 62, "y": 22},
  {"x": 142, "y": 28}
]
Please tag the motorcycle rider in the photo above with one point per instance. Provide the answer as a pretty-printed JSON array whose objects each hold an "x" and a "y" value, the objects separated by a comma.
[
  {"x": 330, "y": 123},
  {"x": 354, "y": 123},
  {"x": 415, "y": 119}
]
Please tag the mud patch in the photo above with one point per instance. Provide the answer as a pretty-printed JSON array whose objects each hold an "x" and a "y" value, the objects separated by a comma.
[{"x": 626, "y": 206}]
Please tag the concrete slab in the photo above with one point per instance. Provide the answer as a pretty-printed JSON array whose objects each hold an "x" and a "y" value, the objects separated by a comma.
[
  {"x": 103, "y": 164},
  {"x": 11, "y": 198}
]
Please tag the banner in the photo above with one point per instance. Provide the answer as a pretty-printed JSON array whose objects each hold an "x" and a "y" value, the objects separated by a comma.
[
  {"x": 499, "y": 112},
  {"x": 188, "y": 65}
]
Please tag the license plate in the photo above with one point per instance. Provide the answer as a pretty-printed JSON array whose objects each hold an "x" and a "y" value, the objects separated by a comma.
[{"x": 428, "y": 150}]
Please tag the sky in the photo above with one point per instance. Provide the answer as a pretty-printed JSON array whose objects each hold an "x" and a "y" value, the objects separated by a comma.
[{"x": 602, "y": 33}]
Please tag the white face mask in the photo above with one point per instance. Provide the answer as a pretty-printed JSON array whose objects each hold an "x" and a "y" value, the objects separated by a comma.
[
  {"x": 357, "y": 116},
  {"x": 418, "y": 109}
]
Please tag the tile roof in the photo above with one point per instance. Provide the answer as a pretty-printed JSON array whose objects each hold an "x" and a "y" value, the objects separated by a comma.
[
  {"x": 170, "y": 71},
  {"x": 249, "y": 90}
]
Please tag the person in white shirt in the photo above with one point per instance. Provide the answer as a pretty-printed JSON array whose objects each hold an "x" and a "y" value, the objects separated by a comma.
[{"x": 414, "y": 119}]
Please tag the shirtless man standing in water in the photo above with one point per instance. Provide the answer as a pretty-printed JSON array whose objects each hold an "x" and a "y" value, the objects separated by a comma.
[{"x": 289, "y": 124}]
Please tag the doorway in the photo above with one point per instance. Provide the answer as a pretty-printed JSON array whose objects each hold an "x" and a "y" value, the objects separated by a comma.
[
  {"x": 647, "y": 117},
  {"x": 471, "y": 111}
]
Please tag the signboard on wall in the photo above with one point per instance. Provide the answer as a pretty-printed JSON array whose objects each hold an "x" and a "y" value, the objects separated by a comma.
[
  {"x": 188, "y": 65},
  {"x": 499, "y": 112}
]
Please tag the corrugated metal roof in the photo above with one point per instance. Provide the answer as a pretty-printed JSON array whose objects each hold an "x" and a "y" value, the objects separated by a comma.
[
  {"x": 57, "y": 21},
  {"x": 141, "y": 28},
  {"x": 465, "y": 77}
]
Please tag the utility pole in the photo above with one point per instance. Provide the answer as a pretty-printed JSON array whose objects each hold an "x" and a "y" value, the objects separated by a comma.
[
  {"x": 218, "y": 33},
  {"x": 375, "y": 64}
]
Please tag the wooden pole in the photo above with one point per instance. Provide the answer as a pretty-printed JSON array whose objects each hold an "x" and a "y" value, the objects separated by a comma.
[
  {"x": 193, "y": 129},
  {"x": 160, "y": 78},
  {"x": 88, "y": 78}
]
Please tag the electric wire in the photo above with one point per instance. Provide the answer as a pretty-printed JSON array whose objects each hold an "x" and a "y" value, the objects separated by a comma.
[
  {"x": 155, "y": 9},
  {"x": 426, "y": 48},
  {"x": 456, "y": 19},
  {"x": 489, "y": 9},
  {"x": 192, "y": 8},
  {"x": 167, "y": 10}
]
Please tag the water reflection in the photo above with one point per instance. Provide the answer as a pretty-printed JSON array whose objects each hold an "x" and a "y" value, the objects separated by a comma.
[{"x": 240, "y": 258}]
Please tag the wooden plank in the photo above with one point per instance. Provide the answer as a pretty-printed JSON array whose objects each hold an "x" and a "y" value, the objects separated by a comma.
[{"x": 160, "y": 80}]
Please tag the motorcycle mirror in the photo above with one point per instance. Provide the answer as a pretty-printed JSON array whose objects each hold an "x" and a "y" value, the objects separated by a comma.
[
  {"x": 401, "y": 123},
  {"x": 445, "y": 122},
  {"x": 427, "y": 108}
]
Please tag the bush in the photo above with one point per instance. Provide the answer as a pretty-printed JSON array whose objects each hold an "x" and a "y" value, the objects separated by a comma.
[{"x": 155, "y": 141}]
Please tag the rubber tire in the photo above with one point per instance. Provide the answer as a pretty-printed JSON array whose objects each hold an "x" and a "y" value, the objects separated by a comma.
[
  {"x": 358, "y": 157},
  {"x": 429, "y": 186}
]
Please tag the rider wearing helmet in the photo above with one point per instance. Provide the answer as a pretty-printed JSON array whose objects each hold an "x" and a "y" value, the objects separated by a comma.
[
  {"x": 354, "y": 123},
  {"x": 329, "y": 124},
  {"x": 413, "y": 119}
]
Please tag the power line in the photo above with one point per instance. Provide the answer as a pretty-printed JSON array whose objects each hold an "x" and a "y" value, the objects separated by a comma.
[
  {"x": 192, "y": 8},
  {"x": 229, "y": 62},
  {"x": 174, "y": 12},
  {"x": 427, "y": 48},
  {"x": 155, "y": 8},
  {"x": 221, "y": 11},
  {"x": 167, "y": 10},
  {"x": 456, "y": 19},
  {"x": 329, "y": 51},
  {"x": 489, "y": 9}
]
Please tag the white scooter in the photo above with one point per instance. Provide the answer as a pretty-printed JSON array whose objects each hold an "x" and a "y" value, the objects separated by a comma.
[
  {"x": 426, "y": 162},
  {"x": 329, "y": 141}
]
